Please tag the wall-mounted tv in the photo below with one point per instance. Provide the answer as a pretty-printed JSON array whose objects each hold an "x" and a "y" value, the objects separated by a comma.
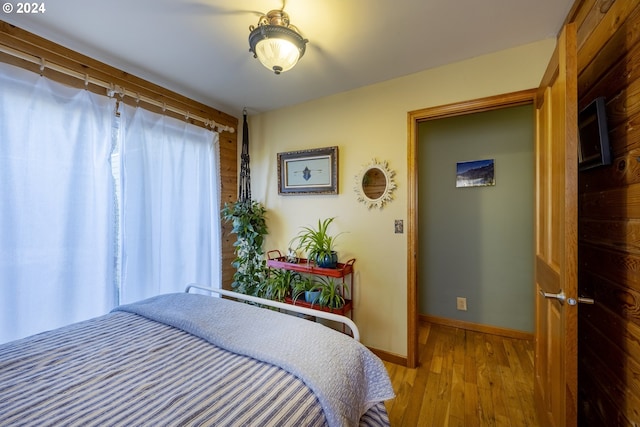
[{"x": 594, "y": 149}]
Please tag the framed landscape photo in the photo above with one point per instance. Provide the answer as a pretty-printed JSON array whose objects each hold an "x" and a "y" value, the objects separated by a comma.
[
  {"x": 478, "y": 173},
  {"x": 312, "y": 171}
]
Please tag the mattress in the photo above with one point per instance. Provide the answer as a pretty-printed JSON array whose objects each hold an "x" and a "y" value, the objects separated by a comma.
[{"x": 164, "y": 363}]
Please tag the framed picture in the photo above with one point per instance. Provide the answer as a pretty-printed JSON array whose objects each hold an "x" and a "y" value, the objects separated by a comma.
[
  {"x": 308, "y": 171},
  {"x": 479, "y": 173}
]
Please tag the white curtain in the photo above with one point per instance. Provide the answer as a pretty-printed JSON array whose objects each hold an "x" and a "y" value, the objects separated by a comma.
[
  {"x": 171, "y": 197},
  {"x": 56, "y": 204}
]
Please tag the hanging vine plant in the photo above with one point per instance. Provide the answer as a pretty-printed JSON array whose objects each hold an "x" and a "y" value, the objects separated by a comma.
[{"x": 248, "y": 223}]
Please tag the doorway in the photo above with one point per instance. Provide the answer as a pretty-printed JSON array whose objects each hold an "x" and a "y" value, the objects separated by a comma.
[{"x": 414, "y": 120}]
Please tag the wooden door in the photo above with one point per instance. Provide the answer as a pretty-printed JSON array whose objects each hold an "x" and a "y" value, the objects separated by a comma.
[{"x": 556, "y": 264}]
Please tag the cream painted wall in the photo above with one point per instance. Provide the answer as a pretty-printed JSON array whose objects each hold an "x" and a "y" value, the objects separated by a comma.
[{"x": 366, "y": 123}]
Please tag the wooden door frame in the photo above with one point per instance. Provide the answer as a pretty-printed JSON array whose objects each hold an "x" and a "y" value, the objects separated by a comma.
[{"x": 414, "y": 118}]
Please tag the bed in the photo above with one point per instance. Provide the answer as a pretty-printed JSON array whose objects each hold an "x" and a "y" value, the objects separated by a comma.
[{"x": 192, "y": 359}]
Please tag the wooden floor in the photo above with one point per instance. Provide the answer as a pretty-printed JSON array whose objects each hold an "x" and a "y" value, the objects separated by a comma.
[{"x": 465, "y": 378}]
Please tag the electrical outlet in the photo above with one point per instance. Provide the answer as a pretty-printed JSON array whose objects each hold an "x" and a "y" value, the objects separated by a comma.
[{"x": 461, "y": 303}]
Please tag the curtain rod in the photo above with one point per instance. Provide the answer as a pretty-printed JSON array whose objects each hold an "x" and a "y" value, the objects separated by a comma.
[{"x": 111, "y": 89}]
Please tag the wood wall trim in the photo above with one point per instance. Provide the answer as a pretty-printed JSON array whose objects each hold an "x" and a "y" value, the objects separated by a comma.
[
  {"x": 476, "y": 327},
  {"x": 413, "y": 356},
  {"x": 389, "y": 357},
  {"x": 475, "y": 105}
]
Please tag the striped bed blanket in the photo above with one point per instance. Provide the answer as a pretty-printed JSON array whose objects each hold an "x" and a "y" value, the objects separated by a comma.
[{"x": 127, "y": 369}]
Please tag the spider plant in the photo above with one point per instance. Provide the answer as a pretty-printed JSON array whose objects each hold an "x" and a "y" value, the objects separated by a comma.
[
  {"x": 304, "y": 287},
  {"x": 318, "y": 243},
  {"x": 332, "y": 293},
  {"x": 279, "y": 284}
]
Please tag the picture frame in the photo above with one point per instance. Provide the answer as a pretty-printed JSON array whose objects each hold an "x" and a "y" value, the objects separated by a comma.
[
  {"x": 313, "y": 171},
  {"x": 477, "y": 173}
]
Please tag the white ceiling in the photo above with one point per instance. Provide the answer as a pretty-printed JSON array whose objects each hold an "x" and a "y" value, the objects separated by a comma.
[{"x": 200, "y": 49}]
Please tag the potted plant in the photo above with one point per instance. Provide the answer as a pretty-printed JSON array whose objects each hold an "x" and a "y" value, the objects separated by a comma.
[
  {"x": 306, "y": 287},
  {"x": 279, "y": 284},
  {"x": 247, "y": 219},
  {"x": 318, "y": 244},
  {"x": 331, "y": 293}
]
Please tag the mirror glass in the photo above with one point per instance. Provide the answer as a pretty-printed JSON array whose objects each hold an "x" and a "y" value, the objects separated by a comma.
[{"x": 374, "y": 184}]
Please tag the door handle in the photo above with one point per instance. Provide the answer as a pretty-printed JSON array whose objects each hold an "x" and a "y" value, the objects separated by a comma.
[
  {"x": 559, "y": 296},
  {"x": 562, "y": 298},
  {"x": 582, "y": 300}
]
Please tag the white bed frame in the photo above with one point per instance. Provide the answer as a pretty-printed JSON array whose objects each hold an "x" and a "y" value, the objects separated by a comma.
[{"x": 289, "y": 307}]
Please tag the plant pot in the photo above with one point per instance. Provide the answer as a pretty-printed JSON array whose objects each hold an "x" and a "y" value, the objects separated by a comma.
[
  {"x": 328, "y": 261},
  {"x": 311, "y": 296}
]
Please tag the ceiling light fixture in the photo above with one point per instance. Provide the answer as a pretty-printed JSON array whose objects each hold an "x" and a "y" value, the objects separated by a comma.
[{"x": 277, "y": 44}]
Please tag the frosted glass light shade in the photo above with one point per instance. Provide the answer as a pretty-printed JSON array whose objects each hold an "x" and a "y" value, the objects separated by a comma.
[{"x": 277, "y": 55}]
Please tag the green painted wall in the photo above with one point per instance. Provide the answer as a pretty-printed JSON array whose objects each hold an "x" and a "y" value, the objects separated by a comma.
[{"x": 477, "y": 242}]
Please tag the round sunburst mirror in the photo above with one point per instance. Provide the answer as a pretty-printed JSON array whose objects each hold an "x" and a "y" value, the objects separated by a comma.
[{"x": 374, "y": 184}]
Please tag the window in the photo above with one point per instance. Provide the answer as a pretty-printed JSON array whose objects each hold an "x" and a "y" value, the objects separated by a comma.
[{"x": 94, "y": 210}]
